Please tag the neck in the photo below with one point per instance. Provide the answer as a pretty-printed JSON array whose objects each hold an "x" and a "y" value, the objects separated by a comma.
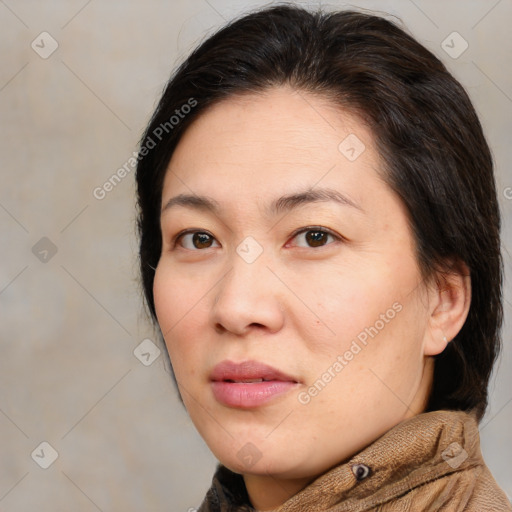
[{"x": 267, "y": 492}]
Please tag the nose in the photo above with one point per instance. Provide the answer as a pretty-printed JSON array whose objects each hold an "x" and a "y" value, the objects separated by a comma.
[{"x": 248, "y": 297}]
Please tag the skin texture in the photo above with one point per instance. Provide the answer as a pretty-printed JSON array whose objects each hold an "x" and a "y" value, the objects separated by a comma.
[{"x": 297, "y": 307}]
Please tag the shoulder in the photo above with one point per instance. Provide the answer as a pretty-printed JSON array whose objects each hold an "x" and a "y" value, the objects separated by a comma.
[
  {"x": 487, "y": 494},
  {"x": 432, "y": 462},
  {"x": 469, "y": 490}
]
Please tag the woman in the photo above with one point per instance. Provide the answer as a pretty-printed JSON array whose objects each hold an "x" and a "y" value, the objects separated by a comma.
[{"x": 319, "y": 244}]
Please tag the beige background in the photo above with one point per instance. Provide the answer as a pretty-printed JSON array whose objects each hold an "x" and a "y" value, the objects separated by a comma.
[{"x": 69, "y": 325}]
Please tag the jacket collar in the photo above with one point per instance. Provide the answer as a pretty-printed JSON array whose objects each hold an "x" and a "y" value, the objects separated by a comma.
[{"x": 413, "y": 453}]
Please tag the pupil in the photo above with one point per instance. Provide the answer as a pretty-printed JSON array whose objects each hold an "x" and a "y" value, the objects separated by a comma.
[
  {"x": 202, "y": 239},
  {"x": 315, "y": 238}
]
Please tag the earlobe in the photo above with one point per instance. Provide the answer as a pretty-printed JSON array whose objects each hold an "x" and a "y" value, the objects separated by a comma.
[{"x": 450, "y": 299}]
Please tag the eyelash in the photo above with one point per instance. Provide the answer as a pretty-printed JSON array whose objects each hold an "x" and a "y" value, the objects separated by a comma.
[{"x": 306, "y": 229}]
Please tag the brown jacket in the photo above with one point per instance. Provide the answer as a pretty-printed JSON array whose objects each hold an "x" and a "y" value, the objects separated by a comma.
[{"x": 431, "y": 462}]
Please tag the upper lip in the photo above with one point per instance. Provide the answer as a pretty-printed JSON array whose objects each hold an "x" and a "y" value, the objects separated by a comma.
[{"x": 246, "y": 371}]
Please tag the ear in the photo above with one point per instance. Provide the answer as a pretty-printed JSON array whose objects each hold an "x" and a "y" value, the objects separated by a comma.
[{"x": 449, "y": 301}]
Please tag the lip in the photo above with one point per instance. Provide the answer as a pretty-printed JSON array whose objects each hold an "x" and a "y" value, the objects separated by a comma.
[{"x": 231, "y": 384}]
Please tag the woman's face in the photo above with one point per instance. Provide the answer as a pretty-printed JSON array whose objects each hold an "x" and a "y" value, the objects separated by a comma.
[{"x": 300, "y": 270}]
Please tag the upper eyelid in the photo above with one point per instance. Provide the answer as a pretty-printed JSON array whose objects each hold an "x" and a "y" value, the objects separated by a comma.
[
  {"x": 313, "y": 228},
  {"x": 190, "y": 232}
]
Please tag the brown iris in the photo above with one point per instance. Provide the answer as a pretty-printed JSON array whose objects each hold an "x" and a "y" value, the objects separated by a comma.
[
  {"x": 316, "y": 238},
  {"x": 201, "y": 240}
]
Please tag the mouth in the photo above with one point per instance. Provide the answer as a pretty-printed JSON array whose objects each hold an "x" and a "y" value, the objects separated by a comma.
[
  {"x": 248, "y": 384},
  {"x": 248, "y": 381},
  {"x": 248, "y": 372}
]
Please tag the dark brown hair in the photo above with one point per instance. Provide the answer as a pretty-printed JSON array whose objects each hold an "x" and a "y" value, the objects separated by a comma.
[{"x": 434, "y": 153}]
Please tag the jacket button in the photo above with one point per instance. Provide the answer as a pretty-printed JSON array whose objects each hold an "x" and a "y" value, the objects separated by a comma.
[{"x": 361, "y": 471}]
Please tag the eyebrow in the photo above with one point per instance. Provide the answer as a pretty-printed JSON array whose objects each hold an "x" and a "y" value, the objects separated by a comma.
[{"x": 279, "y": 205}]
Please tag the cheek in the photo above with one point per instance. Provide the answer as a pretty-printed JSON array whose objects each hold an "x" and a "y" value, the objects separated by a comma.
[
  {"x": 377, "y": 306},
  {"x": 179, "y": 297},
  {"x": 179, "y": 311},
  {"x": 352, "y": 299},
  {"x": 165, "y": 298},
  {"x": 388, "y": 321}
]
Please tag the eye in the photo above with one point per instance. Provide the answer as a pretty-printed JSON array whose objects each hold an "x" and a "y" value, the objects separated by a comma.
[
  {"x": 315, "y": 236},
  {"x": 192, "y": 240}
]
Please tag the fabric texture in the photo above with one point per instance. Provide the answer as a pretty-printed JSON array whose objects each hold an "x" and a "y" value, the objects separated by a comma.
[{"x": 431, "y": 462}]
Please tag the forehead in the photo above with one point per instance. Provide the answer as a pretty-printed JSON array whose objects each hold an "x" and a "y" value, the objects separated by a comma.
[{"x": 270, "y": 142}]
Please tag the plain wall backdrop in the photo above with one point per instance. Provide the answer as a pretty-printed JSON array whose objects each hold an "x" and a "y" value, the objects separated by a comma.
[{"x": 78, "y": 82}]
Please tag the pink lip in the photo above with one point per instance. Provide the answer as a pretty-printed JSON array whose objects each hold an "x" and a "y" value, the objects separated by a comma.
[{"x": 247, "y": 395}]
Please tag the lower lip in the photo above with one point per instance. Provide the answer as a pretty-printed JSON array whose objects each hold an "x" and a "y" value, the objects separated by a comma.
[{"x": 249, "y": 394}]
